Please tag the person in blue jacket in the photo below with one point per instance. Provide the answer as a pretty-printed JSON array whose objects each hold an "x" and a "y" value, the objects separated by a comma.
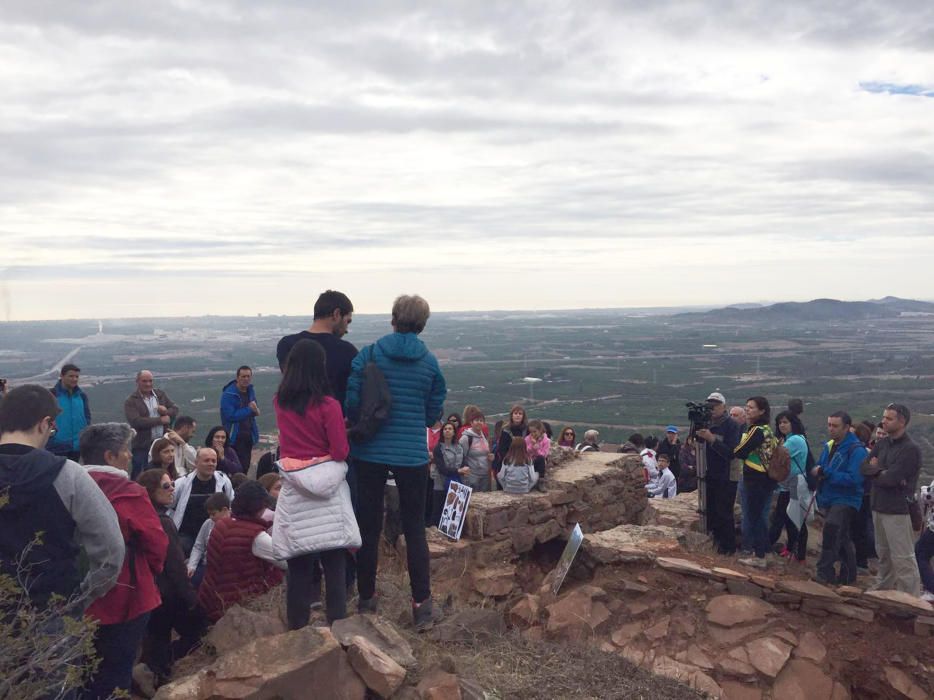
[
  {"x": 839, "y": 495},
  {"x": 75, "y": 415},
  {"x": 399, "y": 446},
  {"x": 238, "y": 415}
]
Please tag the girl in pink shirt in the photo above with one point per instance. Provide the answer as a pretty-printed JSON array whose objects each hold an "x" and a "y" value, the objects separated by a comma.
[{"x": 538, "y": 446}]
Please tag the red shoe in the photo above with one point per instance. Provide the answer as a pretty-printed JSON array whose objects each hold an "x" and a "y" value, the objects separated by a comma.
[{"x": 785, "y": 553}]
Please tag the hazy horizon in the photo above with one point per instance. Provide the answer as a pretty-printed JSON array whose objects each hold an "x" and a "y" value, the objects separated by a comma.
[{"x": 659, "y": 310}]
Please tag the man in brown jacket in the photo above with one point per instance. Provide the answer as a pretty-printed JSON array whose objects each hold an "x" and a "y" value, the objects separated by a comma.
[{"x": 149, "y": 412}]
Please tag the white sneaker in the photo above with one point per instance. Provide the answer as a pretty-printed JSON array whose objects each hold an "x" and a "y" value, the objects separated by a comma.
[
  {"x": 928, "y": 596},
  {"x": 755, "y": 562}
]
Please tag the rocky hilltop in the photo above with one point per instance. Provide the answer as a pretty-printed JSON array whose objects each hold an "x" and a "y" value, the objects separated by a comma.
[{"x": 647, "y": 610}]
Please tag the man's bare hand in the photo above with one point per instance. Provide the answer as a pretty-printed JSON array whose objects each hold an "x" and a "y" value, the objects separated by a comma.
[{"x": 254, "y": 408}]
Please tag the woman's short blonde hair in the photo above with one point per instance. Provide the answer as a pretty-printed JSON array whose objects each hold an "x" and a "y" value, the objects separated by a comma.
[{"x": 410, "y": 314}]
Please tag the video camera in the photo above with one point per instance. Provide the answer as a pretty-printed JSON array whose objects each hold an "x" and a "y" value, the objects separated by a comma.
[{"x": 699, "y": 415}]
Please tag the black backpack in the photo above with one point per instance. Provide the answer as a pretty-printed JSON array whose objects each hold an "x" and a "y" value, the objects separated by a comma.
[{"x": 375, "y": 402}]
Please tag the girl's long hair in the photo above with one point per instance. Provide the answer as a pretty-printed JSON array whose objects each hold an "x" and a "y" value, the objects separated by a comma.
[
  {"x": 524, "y": 425},
  {"x": 305, "y": 380},
  {"x": 517, "y": 453},
  {"x": 453, "y": 437},
  {"x": 797, "y": 427}
]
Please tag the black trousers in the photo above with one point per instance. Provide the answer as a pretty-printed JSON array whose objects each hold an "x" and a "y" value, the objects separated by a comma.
[
  {"x": 721, "y": 498},
  {"x": 243, "y": 446},
  {"x": 864, "y": 534},
  {"x": 304, "y": 586},
  {"x": 159, "y": 651},
  {"x": 410, "y": 483},
  {"x": 837, "y": 543}
]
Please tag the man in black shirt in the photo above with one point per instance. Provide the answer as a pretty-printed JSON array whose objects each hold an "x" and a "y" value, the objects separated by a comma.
[
  {"x": 333, "y": 316},
  {"x": 192, "y": 491},
  {"x": 721, "y": 439}
]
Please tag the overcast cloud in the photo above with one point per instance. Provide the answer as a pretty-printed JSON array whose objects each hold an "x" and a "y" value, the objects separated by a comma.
[{"x": 211, "y": 156}]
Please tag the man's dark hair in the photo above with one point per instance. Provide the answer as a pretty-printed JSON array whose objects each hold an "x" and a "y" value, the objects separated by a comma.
[
  {"x": 216, "y": 502},
  {"x": 796, "y": 406},
  {"x": 651, "y": 442},
  {"x": 637, "y": 440},
  {"x": 69, "y": 368},
  {"x": 243, "y": 367},
  {"x": 331, "y": 300},
  {"x": 842, "y": 415},
  {"x": 24, "y": 407},
  {"x": 305, "y": 379},
  {"x": 184, "y": 422},
  {"x": 900, "y": 409}
]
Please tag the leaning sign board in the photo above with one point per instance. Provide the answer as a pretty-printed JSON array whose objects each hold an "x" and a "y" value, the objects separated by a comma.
[
  {"x": 455, "y": 510},
  {"x": 567, "y": 557}
]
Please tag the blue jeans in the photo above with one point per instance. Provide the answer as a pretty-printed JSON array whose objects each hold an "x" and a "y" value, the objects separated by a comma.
[
  {"x": 757, "y": 497},
  {"x": 116, "y": 646}
]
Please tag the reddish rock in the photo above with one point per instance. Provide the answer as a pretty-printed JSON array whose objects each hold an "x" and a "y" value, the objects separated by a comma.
[
  {"x": 787, "y": 635},
  {"x": 438, "y": 685},
  {"x": 809, "y": 589},
  {"x": 659, "y": 630},
  {"x": 377, "y": 631},
  {"x": 802, "y": 680},
  {"x": 736, "y": 668},
  {"x": 851, "y": 611},
  {"x": 811, "y": 647},
  {"x": 768, "y": 655},
  {"x": 733, "y": 690},
  {"x": 696, "y": 657},
  {"x": 637, "y": 608},
  {"x": 725, "y": 636},
  {"x": 733, "y": 610},
  {"x": 626, "y": 634},
  {"x": 728, "y": 574},
  {"x": 578, "y": 615},
  {"x": 285, "y": 665},
  {"x": 688, "y": 675},
  {"x": 526, "y": 612},
  {"x": 683, "y": 566},
  {"x": 924, "y": 626},
  {"x": 763, "y": 581},
  {"x": 239, "y": 626},
  {"x": 849, "y": 591},
  {"x": 903, "y": 684},
  {"x": 381, "y": 674},
  {"x": 902, "y": 602},
  {"x": 496, "y": 582}
]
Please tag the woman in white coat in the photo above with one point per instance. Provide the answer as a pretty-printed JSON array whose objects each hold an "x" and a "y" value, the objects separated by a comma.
[{"x": 314, "y": 518}]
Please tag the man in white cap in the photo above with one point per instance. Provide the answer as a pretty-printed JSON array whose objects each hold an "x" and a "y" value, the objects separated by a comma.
[{"x": 722, "y": 437}]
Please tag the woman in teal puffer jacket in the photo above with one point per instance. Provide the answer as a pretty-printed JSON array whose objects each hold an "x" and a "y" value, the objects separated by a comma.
[{"x": 399, "y": 446}]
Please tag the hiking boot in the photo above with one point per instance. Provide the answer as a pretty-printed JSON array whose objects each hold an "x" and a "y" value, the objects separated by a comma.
[
  {"x": 540, "y": 486},
  {"x": 144, "y": 680},
  {"x": 367, "y": 606},
  {"x": 423, "y": 614},
  {"x": 754, "y": 562}
]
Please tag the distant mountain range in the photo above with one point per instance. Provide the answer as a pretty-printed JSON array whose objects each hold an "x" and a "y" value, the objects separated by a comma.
[{"x": 819, "y": 310}]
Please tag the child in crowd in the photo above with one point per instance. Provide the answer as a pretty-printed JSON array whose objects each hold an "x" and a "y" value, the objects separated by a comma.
[
  {"x": 240, "y": 564},
  {"x": 273, "y": 484},
  {"x": 516, "y": 426},
  {"x": 539, "y": 446},
  {"x": 477, "y": 454},
  {"x": 447, "y": 465},
  {"x": 518, "y": 475},
  {"x": 665, "y": 485},
  {"x": 218, "y": 508}
]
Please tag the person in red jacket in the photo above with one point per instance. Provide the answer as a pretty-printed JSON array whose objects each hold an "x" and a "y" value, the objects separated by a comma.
[
  {"x": 124, "y": 610},
  {"x": 241, "y": 564}
]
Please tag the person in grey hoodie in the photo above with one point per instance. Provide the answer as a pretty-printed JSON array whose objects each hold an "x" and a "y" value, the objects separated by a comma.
[
  {"x": 55, "y": 496},
  {"x": 477, "y": 455}
]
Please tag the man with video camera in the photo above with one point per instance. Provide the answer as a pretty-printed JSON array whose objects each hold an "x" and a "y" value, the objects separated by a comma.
[{"x": 721, "y": 435}]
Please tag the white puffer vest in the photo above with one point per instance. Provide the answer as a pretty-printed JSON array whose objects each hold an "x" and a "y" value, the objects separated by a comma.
[{"x": 313, "y": 511}]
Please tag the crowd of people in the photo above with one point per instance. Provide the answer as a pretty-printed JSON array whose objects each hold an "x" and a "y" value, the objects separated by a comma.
[{"x": 154, "y": 537}]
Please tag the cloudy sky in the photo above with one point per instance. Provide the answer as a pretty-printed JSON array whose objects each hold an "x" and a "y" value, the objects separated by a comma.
[{"x": 212, "y": 156}]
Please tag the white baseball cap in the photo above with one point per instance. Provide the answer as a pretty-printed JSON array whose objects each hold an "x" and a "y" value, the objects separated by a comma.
[{"x": 716, "y": 396}]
